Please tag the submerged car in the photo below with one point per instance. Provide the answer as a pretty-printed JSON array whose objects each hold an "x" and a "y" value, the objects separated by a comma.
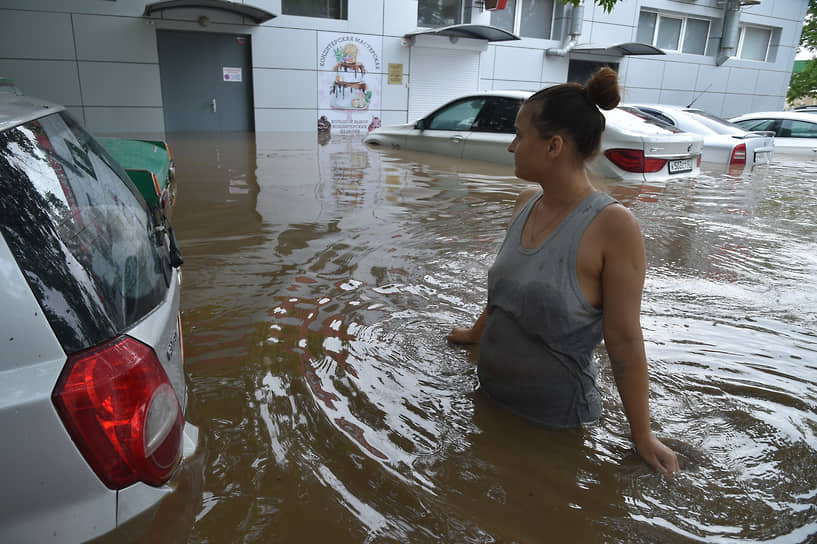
[
  {"x": 150, "y": 165},
  {"x": 481, "y": 126},
  {"x": 93, "y": 394},
  {"x": 725, "y": 144},
  {"x": 795, "y": 132}
]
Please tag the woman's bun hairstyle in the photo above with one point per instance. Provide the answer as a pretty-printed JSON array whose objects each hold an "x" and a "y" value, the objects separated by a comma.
[
  {"x": 602, "y": 88},
  {"x": 572, "y": 110}
]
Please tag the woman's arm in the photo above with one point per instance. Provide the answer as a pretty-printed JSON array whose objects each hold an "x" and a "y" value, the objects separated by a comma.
[
  {"x": 622, "y": 283},
  {"x": 473, "y": 334}
]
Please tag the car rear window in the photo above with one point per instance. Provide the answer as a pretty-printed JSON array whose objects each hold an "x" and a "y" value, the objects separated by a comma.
[
  {"x": 721, "y": 126},
  {"x": 633, "y": 120},
  {"x": 79, "y": 230}
]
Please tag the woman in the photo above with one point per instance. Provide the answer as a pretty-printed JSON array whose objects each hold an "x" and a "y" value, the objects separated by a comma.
[{"x": 570, "y": 271}]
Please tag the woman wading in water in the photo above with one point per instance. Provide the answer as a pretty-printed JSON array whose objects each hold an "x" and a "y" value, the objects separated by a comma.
[{"x": 569, "y": 273}]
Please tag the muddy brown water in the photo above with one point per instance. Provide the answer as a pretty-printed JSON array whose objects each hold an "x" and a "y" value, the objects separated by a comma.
[{"x": 320, "y": 279}]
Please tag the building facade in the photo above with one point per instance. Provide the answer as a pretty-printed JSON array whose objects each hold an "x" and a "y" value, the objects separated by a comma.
[{"x": 138, "y": 66}]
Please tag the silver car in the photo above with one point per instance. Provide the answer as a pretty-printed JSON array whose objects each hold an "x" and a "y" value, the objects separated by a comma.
[
  {"x": 481, "y": 126},
  {"x": 725, "y": 144},
  {"x": 795, "y": 131},
  {"x": 92, "y": 385}
]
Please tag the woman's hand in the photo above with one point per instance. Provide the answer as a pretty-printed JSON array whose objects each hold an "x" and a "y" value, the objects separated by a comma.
[
  {"x": 462, "y": 335},
  {"x": 658, "y": 455}
]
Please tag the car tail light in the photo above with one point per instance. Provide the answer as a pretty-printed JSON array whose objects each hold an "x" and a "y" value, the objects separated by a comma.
[
  {"x": 120, "y": 409},
  {"x": 633, "y": 160},
  {"x": 738, "y": 155}
]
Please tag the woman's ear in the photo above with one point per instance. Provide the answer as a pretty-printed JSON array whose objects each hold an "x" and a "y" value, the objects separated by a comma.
[{"x": 556, "y": 145}]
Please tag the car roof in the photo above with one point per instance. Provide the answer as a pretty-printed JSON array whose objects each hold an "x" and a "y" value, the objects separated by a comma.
[
  {"x": 509, "y": 93},
  {"x": 16, "y": 108},
  {"x": 798, "y": 115}
]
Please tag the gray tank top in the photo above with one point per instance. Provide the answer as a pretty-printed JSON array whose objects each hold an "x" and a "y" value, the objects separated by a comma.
[{"x": 536, "y": 352}]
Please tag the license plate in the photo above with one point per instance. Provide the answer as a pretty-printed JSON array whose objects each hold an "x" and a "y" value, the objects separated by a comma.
[
  {"x": 679, "y": 166},
  {"x": 762, "y": 157}
]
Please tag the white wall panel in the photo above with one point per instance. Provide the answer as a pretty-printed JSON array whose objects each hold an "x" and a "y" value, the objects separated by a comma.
[
  {"x": 712, "y": 79},
  {"x": 518, "y": 64},
  {"x": 134, "y": 121},
  {"x": 393, "y": 117},
  {"x": 742, "y": 81},
  {"x": 486, "y": 63},
  {"x": 284, "y": 48},
  {"x": 285, "y": 88},
  {"x": 637, "y": 94},
  {"x": 395, "y": 52},
  {"x": 120, "y": 84},
  {"x": 680, "y": 75},
  {"x": 509, "y": 85},
  {"x": 33, "y": 35},
  {"x": 678, "y": 98},
  {"x": 123, "y": 39},
  {"x": 736, "y": 104},
  {"x": 772, "y": 83},
  {"x": 400, "y": 17},
  {"x": 267, "y": 120},
  {"x": 767, "y": 103},
  {"x": 38, "y": 77},
  {"x": 394, "y": 97},
  {"x": 647, "y": 74},
  {"x": 366, "y": 16},
  {"x": 625, "y": 13}
]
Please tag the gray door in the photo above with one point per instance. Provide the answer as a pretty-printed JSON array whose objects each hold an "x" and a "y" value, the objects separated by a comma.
[{"x": 206, "y": 81}]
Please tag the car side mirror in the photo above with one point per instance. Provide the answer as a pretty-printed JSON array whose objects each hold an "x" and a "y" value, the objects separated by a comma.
[{"x": 420, "y": 125}]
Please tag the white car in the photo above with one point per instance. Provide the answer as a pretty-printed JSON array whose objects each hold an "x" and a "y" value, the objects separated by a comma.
[
  {"x": 481, "y": 126},
  {"x": 795, "y": 132},
  {"x": 725, "y": 144},
  {"x": 93, "y": 394}
]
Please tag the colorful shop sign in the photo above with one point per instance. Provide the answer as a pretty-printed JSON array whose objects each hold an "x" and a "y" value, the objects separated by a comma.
[{"x": 350, "y": 79}]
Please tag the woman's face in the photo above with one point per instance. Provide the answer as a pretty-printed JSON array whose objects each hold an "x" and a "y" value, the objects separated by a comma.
[{"x": 529, "y": 149}]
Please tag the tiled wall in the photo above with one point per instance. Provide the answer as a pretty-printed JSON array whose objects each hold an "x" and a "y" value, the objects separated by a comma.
[{"x": 100, "y": 58}]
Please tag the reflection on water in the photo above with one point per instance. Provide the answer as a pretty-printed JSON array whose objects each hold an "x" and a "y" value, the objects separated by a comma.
[{"x": 320, "y": 278}]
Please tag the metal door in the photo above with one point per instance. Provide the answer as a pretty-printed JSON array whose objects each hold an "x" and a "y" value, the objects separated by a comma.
[{"x": 206, "y": 81}]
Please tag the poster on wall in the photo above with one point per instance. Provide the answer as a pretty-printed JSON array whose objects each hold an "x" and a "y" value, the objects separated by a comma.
[{"x": 349, "y": 83}]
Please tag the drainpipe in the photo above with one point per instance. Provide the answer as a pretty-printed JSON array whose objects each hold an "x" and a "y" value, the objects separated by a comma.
[
  {"x": 731, "y": 27},
  {"x": 576, "y": 20}
]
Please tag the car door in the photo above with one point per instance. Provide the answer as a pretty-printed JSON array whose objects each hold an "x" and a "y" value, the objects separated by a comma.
[
  {"x": 796, "y": 137},
  {"x": 493, "y": 131},
  {"x": 446, "y": 130}
]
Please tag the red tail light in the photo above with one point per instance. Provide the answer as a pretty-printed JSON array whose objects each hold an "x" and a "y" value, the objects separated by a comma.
[
  {"x": 122, "y": 412},
  {"x": 633, "y": 160},
  {"x": 738, "y": 155}
]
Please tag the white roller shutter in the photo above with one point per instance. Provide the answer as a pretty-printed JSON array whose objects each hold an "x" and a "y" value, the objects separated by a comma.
[{"x": 438, "y": 75}]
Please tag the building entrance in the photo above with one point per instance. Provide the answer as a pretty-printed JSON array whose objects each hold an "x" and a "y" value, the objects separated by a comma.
[{"x": 206, "y": 81}]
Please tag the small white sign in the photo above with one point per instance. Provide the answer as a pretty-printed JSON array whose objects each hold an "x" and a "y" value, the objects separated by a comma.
[{"x": 232, "y": 74}]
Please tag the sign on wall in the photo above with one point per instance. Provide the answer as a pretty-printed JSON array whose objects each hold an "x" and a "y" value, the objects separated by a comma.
[{"x": 349, "y": 82}]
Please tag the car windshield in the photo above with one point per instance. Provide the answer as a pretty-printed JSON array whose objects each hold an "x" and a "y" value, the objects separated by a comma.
[
  {"x": 721, "y": 126},
  {"x": 79, "y": 230}
]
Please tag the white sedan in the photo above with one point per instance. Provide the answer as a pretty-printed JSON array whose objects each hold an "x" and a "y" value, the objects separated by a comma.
[
  {"x": 725, "y": 144},
  {"x": 481, "y": 126},
  {"x": 795, "y": 132}
]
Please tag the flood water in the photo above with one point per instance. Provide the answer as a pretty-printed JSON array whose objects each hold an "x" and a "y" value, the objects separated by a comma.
[{"x": 319, "y": 282}]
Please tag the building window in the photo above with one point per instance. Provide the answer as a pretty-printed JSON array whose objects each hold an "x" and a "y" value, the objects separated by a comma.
[
  {"x": 673, "y": 33},
  {"x": 753, "y": 43},
  {"x": 526, "y": 18},
  {"x": 436, "y": 13},
  {"x": 327, "y": 9}
]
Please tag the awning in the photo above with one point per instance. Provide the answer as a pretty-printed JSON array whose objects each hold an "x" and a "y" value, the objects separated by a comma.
[
  {"x": 476, "y": 32},
  {"x": 618, "y": 49},
  {"x": 258, "y": 15}
]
